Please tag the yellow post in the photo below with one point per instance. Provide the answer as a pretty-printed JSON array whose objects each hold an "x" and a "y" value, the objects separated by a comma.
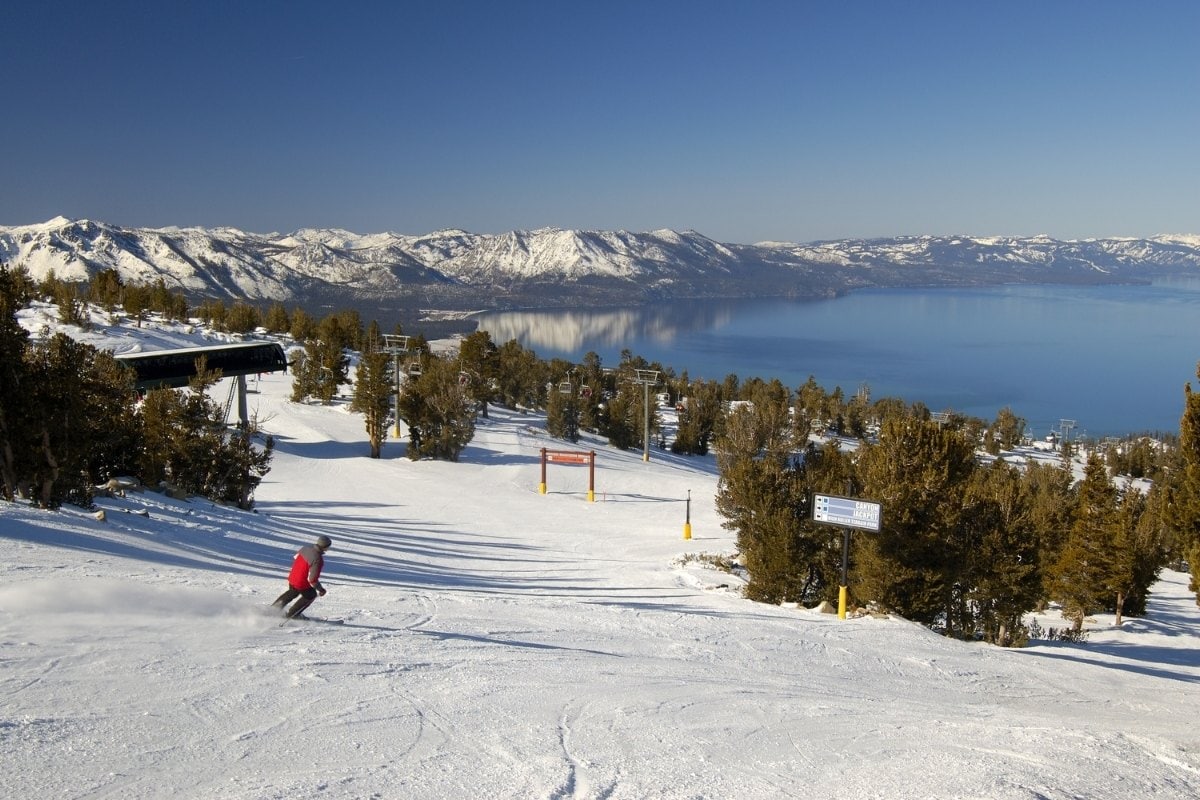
[
  {"x": 542, "y": 487},
  {"x": 841, "y": 602},
  {"x": 591, "y": 495},
  {"x": 687, "y": 530},
  {"x": 687, "y": 520}
]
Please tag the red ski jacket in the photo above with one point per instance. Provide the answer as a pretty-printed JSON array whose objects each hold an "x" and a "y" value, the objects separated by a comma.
[{"x": 306, "y": 568}]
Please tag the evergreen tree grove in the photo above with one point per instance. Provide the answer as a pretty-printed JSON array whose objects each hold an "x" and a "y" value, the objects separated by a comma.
[
  {"x": 14, "y": 377},
  {"x": 188, "y": 446}
]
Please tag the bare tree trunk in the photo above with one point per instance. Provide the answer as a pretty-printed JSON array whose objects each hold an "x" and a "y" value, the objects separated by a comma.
[
  {"x": 8, "y": 471},
  {"x": 1120, "y": 605},
  {"x": 47, "y": 493}
]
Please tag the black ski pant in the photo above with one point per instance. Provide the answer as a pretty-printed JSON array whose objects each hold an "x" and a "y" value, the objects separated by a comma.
[{"x": 306, "y": 599}]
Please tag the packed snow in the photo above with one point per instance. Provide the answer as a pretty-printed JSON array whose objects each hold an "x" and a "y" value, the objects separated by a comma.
[{"x": 503, "y": 643}]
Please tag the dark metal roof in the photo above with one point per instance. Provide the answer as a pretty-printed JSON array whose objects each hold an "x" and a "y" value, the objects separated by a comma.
[{"x": 175, "y": 368}]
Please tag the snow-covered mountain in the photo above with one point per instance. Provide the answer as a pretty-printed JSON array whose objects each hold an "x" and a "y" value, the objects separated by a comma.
[{"x": 551, "y": 266}]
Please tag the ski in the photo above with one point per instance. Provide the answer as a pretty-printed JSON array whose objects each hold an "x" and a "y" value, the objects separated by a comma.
[{"x": 307, "y": 618}]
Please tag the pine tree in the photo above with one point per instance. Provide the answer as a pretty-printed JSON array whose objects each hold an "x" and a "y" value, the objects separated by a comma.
[
  {"x": 765, "y": 494},
  {"x": 80, "y": 418},
  {"x": 591, "y": 391},
  {"x": 518, "y": 375},
  {"x": 105, "y": 289},
  {"x": 324, "y": 365},
  {"x": 1151, "y": 544},
  {"x": 185, "y": 432},
  {"x": 1003, "y": 576},
  {"x": 810, "y": 405},
  {"x": 136, "y": 302},
  {"x": 1050, "y": 500},
  {"x": 439, "y": 414},
  {"x": 1081, "y": 577},
  {"x": 239, "y": 467},
  {"x": 277, "y": 319},
  {"x": 621, "y": 422},
  {"x": 54, "y": 462},
  {"x": 171, "y": 305},
  {"x": 699, "y": 418},
  {"x": 213, "y": 312},
  {"x": 562, "y": 412},
  {"x": 1185, "y": 505},
  {"x": 113, "y": 433},
  {"x": 477, "y": 358},
  {"x": 304, "y": 327},
  {"x": 71, "y": 308},
  {"x": 349, "y": 324},
  {"x": 303, "y": 377},
  {"x": 373, "y": 391},
  {"x": 918, "y": 471},
  {"x": 1134, "y": 556},
  {"x": 242, "y": 318}
]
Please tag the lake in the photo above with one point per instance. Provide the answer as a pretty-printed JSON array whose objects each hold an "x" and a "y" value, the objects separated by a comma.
[{"x": 1114, "y": 359}]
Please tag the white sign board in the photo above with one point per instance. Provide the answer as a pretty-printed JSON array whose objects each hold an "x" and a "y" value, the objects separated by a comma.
[{"x": 847, "y": 512}]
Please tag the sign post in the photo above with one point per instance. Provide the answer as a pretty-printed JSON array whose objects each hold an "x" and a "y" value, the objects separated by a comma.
[
  {"x": 687, "y": 523},
  {"x": 846, "y": 513},
  {"x": 571, "y": 457}
]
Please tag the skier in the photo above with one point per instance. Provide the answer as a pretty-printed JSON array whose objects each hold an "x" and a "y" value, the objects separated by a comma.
[{"x": 304, "y": 581}]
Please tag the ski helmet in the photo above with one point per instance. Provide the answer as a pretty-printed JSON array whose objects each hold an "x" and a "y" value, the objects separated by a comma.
[{"x": 324, "y": 542}]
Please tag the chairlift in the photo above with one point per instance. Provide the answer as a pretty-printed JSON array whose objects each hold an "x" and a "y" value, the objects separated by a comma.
[
  {"x": 565, "y": 387},
  {"x": 414, "y": 369}
]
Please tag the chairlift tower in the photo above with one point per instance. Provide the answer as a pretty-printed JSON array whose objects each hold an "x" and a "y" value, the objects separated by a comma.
[
  {"x": 647, "y": 378},
  {"x": 1064, "y": 429},
  {"x": 396, "y": 346}
]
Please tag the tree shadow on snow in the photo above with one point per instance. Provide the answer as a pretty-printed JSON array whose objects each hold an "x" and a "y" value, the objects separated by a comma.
[
  {"x": 470, "y": 637},
  {"x": 1139, "y": 659}
]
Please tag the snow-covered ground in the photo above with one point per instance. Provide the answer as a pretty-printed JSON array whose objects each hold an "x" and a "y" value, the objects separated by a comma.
[{"x": 503, "y": 643}]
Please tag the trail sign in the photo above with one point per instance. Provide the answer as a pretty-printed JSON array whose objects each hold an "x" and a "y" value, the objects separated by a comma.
[
  {"x": 847, "y": 512},
  {"x": 571, "y": 457}
]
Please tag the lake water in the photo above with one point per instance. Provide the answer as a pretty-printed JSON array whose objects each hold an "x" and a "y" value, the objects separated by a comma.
[{"x": 1112, "y": 358}]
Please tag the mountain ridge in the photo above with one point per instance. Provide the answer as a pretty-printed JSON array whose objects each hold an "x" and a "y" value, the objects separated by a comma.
[{"x": 454, "y": 268}]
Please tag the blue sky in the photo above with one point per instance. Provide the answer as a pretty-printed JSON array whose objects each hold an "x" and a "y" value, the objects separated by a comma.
[{"x": 746, "y": 121}]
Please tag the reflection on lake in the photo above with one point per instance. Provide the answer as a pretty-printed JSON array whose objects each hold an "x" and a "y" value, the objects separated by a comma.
[
  {"x": 570, "y": 334},
  {"x": 1113, "y": 358}
]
